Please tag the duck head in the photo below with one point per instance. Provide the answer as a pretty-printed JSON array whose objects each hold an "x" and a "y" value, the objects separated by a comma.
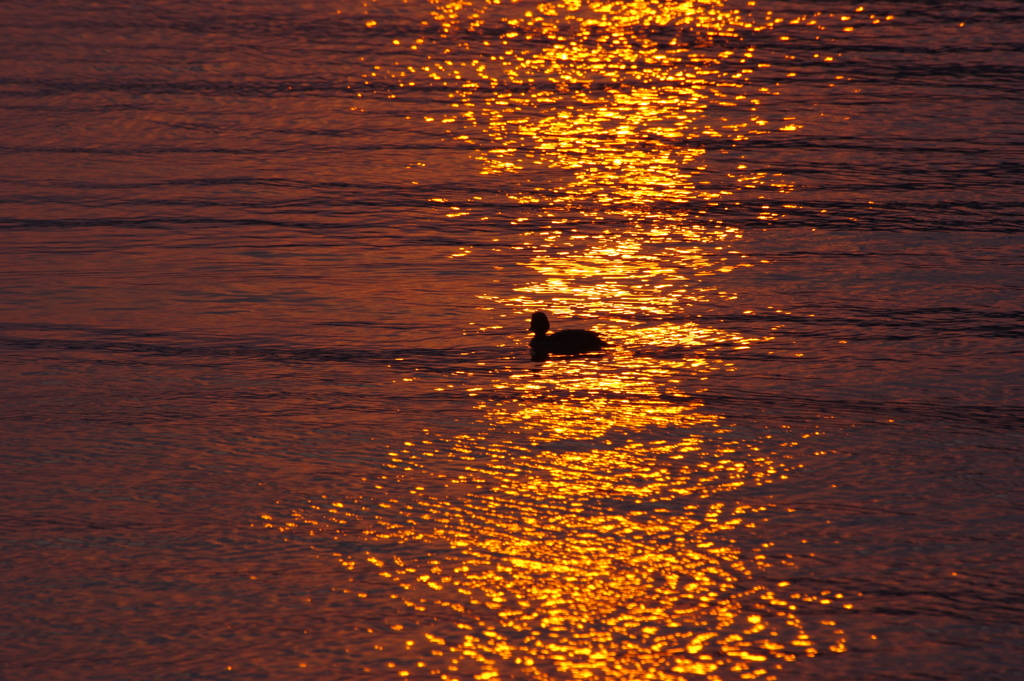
[{"x": 539, "y": 323}]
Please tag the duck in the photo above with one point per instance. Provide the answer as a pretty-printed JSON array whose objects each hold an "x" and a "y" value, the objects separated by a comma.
[{"x": 565, "y": 342}]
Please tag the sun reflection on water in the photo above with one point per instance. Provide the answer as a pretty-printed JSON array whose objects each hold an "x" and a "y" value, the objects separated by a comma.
[
  {"x": 586, "y": 530},
  {"x": 559, "y": 555}
]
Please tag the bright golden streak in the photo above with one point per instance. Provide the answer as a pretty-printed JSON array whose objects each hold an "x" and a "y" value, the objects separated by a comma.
[{"x": 556, "y": 553}]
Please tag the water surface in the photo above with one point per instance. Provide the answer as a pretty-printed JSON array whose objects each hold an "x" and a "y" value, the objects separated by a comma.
[{"x": 269, "y": 411}]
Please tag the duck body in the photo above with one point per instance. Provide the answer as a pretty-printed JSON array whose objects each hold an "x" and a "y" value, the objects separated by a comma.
[{"x": 565, "y": 342}]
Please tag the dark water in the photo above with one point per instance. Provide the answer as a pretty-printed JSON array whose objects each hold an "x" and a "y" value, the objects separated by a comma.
[{"x": 268, "y": 408}]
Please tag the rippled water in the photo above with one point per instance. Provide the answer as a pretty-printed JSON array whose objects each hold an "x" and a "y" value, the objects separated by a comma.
[{"x": 269, "y": 409}]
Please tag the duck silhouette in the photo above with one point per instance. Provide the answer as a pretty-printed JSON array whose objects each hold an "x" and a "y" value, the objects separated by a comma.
[{"x": 565, "y": 342}]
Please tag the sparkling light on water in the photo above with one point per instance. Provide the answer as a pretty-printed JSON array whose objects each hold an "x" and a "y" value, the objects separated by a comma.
[{"x": 556, "y": 553}]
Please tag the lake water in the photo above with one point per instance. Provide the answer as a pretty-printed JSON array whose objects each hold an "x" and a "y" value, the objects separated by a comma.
[{"x": 269, "y": 411}]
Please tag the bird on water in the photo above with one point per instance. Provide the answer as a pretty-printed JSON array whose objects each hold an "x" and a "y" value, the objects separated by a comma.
[{"x": 565, "y": 342}]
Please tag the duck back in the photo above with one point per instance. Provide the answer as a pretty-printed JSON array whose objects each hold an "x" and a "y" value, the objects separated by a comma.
[{"x": 569, "y": 342}]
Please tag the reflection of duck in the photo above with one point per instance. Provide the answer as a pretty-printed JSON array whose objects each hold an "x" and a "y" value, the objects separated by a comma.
[{"x": 565, "y": 342}]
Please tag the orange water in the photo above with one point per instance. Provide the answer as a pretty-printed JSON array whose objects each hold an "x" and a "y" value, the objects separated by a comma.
[{"x": 269, "y": 411}]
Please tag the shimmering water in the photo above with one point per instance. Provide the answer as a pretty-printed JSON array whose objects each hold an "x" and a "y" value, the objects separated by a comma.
[{"x": 268, "y": 406}]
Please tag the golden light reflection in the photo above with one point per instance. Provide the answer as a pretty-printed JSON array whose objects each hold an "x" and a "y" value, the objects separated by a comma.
[
  {"x": 608, "y": 111},
  {"x": 586, "y": 530},
  {"x": 561, "y": 557},
  {"x": 605, "y": 92}
]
